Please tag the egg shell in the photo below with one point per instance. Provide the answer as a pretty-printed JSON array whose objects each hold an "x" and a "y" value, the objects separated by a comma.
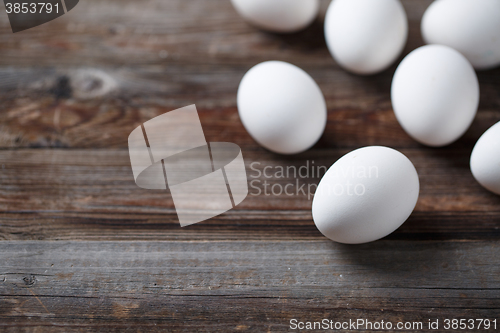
[
  {"x": 435, "y": 95},
  {"x": 281, "y": 16},
  {"x": 384, "y": 188},
  {"x": 472, "y": 27},
  {"x": 281, "y": 107},
  {"x": 485, "y": 159},
  {"x": 366, "y": 36}
]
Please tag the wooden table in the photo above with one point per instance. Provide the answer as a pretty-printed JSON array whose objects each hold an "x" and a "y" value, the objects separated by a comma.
[{"x": 84, "y": 249}]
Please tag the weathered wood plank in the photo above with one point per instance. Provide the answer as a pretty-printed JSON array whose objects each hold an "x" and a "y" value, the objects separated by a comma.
[
  {"x": 360, "y": 111},
  {"x": 264, "y": 225},
  {"x": 90, "y": 194},
  {"x": 219, "y": 286}
]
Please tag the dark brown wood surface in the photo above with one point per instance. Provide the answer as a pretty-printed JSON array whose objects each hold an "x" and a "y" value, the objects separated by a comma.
[{"x": 82, "y": 248}]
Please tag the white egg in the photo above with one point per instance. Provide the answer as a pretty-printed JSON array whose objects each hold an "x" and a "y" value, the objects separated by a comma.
[
  {"x": 366, "y": 36},
  {"x": 471, "y": 27},
  {"x": 485, "y": 159},
  {"x": 282, "y": 16},
  {"x": 435, "y": 95},
  {"x": 281, "y": 107},
  {"x": 365, "y": 195}
]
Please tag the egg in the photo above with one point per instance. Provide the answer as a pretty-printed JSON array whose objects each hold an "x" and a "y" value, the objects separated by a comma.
[
  {"x": 471, "y": 27},
  {"x": 485, "y": 159},
  {"x": 281, "y": 107},
  {"x": 365, "y": 195},
  {"x": 366, "y": 36},
  {"x": 435, "y": 95},
  {"x": 281, "y": 16}
]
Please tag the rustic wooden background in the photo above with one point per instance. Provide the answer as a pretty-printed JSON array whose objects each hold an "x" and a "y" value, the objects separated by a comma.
[{"x": 84, "y": 249}]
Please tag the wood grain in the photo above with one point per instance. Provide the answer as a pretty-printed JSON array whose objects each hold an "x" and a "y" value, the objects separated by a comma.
[
  {"x": 243, "y": 285},
  {"x": 89, "y": 194},
  {"x": 82, "y": 248}
]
